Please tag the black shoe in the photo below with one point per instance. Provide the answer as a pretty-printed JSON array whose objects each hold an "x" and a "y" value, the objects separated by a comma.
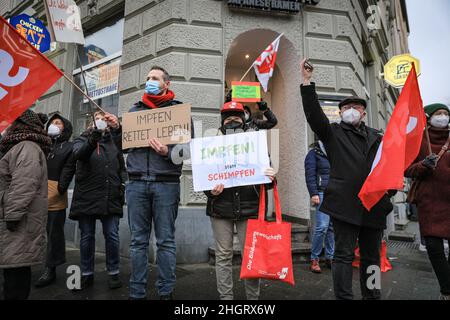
[
  {"x": 166, "y": 297},
  {"x": 132, "y": 298},
  {"x": 86, "y": 282},
  {"x": 114, "y": 281},
  {"x": 47, "y": 278}
]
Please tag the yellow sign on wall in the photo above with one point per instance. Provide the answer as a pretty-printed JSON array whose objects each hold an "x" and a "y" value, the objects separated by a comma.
[{"x": 396, "y": 71}]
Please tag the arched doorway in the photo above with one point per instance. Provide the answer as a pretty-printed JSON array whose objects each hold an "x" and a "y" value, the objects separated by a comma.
[{"x": 283, "y": 97}]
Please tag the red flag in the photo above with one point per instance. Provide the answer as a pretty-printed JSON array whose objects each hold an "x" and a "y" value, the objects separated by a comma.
[
  {"x": 265, "y": 63},
  {"x": 25, "y": 74},
  {"x": 400, "y": 146}
]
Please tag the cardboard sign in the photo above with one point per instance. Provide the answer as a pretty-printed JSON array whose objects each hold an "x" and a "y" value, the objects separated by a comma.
[
  {"x": 170, "y": 125},
  {"x": 232, "y": 160},
  {"x": 33, "y": 30},
  {"x": 246, "y": 91}
]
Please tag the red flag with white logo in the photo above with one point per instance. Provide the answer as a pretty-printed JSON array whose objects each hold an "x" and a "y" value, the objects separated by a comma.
[
  {"x": 25, "y": 74},
  {"x": 400, "y": 146},
  {"x": 265, "y": 63}
]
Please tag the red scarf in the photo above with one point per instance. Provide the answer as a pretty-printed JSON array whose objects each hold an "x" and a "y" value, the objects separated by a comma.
[{"x": 155, "y": 101}]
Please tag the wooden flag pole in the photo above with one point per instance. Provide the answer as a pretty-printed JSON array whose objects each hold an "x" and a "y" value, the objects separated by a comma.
[
  {"x": 427, "y": 136},
  {"x": 82, "y": 92}
]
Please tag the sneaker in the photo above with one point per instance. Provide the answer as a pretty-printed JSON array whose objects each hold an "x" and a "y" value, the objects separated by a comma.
[
  {"x": 444, "y": 297},
  {"x": 315, "y": 267},
  {"x": 422, "y": 248},
  {"x": 166, "y": 297},
  {"x": 47, "y": 278},
  {"x": 114, "y": 281},
  {"x": 328, "y": 263}
]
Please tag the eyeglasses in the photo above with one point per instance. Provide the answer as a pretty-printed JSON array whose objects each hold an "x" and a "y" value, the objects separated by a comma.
[{"x": 358, "y": 107}]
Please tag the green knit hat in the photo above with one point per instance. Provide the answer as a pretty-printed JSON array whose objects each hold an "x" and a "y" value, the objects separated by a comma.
[{"x": 432, "y": 108}]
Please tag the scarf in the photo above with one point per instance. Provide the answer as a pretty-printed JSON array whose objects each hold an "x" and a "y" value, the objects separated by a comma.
[
  {"x": 155, "y": 101},
  {"x": 20, "y": 132}
]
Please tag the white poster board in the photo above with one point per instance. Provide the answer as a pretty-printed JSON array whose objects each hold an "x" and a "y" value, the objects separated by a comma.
[
  {"x": 232, "y": 160},
  {"x": 65, "y": 19}
]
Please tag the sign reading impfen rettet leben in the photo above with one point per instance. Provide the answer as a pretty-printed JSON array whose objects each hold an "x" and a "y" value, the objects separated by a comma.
[
  {"x": 170, "y": 125},
  {"x": 232, "y": 160}
]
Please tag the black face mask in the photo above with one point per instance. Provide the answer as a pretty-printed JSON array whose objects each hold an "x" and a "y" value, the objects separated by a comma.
[{"x": 233, "y": 125}]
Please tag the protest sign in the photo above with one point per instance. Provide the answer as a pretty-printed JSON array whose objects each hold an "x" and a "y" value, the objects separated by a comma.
[
  {"x": 170, "y": 125},
  {"x": 246, "y": 91},
  {"x": 64, "y": 21},
  {"x": 232, "y": 160}
]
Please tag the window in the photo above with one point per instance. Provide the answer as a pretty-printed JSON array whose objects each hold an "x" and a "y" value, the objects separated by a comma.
[{"x": 100, "y": 57}]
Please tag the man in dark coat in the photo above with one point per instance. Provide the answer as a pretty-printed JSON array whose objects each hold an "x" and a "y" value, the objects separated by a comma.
[
  {"x": 351, "y": 147},
  {"x": 260, "y": 124},
  {"x": 99, "y": 194},
  {"x": 61, "y": 169}
]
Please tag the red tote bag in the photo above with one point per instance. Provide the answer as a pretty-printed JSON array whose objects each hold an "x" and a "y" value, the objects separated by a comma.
[{"x": 267, "y": 252}]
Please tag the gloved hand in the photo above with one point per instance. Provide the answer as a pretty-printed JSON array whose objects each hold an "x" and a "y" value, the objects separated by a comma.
[
  {"x": 430, "y": 161},
  {"x": 95, "y": 136},
  {"x": 12, "y": 225},
  {"x": 262, "y": 105}
]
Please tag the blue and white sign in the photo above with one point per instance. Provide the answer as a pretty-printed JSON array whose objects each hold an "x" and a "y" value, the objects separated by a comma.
[
  {"x": 33, "y": 30},
  {"x": 232, "y": 160}
]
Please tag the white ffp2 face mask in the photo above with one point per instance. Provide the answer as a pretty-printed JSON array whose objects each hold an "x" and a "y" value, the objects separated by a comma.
[
  {"x": 101, "y": 124},
  {"x": 53, "y": 130},
  {"x": 440, "y": 121},
  {"x": 351, "y": 116}
]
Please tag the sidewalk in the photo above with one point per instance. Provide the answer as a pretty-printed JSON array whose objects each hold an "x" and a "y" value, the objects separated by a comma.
[{"x": 412, "y": 278}]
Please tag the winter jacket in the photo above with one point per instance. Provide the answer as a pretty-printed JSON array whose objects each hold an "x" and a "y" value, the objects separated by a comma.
[
  {"x": 61, "y": 166},
  {"x": 237, "y": 203},
  {"x": 351, "y": 153},
  {"x": 259, "y": 124},
  {"x": 100, "y": 176},
  {"x": 317, "y": 171},
  {"x": 146, "y": 164},
  {"x": 433, "y": 191},
  {"x": 23, "y": 197}
]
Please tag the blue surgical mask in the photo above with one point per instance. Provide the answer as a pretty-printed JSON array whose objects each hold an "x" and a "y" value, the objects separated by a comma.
[{"x": 152, "y": 87}]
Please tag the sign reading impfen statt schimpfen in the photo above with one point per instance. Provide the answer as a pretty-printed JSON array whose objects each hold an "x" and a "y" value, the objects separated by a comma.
[
  {"x": 170, "y": 125},
  {"x": 232, "y": 160}
]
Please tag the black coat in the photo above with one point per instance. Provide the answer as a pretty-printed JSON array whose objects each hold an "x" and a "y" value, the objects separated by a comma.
[
  {"x": 100, "y": 176},
  {"x": 60, "y": 161},
  {"x": 260, "y": 124},
  {"x": 351, "y": 153}
]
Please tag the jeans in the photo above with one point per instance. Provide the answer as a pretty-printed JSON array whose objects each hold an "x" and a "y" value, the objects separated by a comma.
[
  {"x": 369, "y": 240},
  {"x": 17, "y": 283},
  {"x": 323, "y": 230},
  {"x": 223, "y": 230},
  {"x": 110, "y": 226},
  {"x": 441, "y": 266},
  {"x": 56, "y": 243},
  {"x": 152, "y": 202}
]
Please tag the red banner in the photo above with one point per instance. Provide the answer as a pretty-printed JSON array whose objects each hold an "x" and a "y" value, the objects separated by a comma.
[
  {"x": 400, "y": 146},
  {"x": 25, "y": 74}
]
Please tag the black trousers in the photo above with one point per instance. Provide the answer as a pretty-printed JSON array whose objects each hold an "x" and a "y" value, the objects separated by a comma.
[
  {"x": 369, "y": 240},
  {"x": 441, "y": 266},
  {"x": 56, "y": 242},
  {"x": 17, "y": 283}
]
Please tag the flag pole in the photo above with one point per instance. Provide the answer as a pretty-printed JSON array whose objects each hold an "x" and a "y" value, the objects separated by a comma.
[
  {"x": 247, "y": 72},
  {"x": 427, "y": 136}
]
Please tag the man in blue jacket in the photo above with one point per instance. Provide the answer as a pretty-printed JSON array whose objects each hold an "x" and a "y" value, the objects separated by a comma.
[
  {"x": 317, "y": 172},
  {"x": 153, "y": 195}
]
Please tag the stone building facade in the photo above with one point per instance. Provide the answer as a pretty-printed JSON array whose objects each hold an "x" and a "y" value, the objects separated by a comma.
[{"x": 206, "y": 44}]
